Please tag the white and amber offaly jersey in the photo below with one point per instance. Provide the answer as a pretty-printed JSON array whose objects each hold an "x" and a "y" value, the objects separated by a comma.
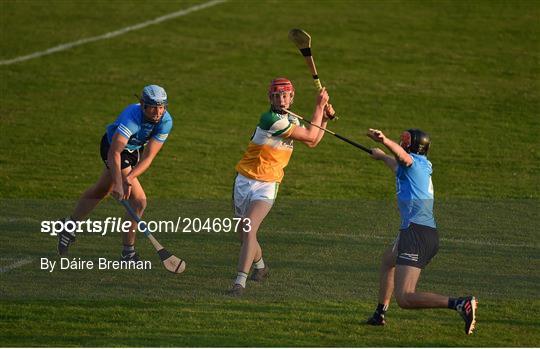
[{"x": 270, "y": 148}]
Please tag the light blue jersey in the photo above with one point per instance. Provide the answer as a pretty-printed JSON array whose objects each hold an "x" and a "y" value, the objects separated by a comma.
[
  {"x": 132, "y": 125},
  {"x": 414, "y": 190}
]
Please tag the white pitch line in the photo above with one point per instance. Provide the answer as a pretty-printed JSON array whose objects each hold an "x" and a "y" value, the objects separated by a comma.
[
  {"x": 4, "y": 219},
  {"x": 109, "y": 35},
  {"x": 391, "y": 238},
  {"x": 17, "y": 264}
]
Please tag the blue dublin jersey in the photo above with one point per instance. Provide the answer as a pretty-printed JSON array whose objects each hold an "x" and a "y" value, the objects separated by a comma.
[
  {"x": 132, "y": 125},
  {"x": 414, "y": 190}
]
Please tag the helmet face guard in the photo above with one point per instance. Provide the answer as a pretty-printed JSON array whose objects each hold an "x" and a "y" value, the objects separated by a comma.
[
  {"x": 280, "y": 86},
  {"x": 154, "y": 95},
  {"x": 415, "y": 141}
]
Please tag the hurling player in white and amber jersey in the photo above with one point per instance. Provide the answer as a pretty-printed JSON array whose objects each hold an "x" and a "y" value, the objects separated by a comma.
[{"x": 261, "y": 170}]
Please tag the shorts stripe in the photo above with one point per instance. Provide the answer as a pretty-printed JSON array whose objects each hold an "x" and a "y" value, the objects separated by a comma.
[{"x": 409, "y": 257}]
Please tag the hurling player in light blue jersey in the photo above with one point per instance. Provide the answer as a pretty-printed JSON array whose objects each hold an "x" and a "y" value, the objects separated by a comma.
[
  {"x": 418, "y": 240},
  {"x": 128, "y": 148}
]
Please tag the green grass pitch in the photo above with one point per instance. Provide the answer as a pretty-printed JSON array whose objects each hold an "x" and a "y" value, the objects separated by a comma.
[{"x": 467, "y": 72}]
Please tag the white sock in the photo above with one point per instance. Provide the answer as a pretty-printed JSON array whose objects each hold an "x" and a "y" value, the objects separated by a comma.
[
  {"x": 259, "y": 264},
  {"x": 241, "y": 278}
]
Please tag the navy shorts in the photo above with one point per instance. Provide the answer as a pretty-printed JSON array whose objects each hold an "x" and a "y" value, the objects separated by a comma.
[
  {"x": 416, "y": 245},
  {"x": 127, "y": 158}
]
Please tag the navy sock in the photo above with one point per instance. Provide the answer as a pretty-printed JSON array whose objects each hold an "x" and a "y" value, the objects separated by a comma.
[
  {"x": 452, "y": 303},
  {"x": 381, "y": 308},
  {"x": 129, "y": 248}
]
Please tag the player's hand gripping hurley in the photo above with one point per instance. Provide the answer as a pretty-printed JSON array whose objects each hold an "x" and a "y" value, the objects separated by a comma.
[
  {"x": 302, "y": 40},
  {"x": 170, "y": 261}
]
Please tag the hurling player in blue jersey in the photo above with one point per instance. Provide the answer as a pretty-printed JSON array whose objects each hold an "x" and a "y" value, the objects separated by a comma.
[
  {"x": 128, "y": 148},
  {"x": 418, "y": 241}
]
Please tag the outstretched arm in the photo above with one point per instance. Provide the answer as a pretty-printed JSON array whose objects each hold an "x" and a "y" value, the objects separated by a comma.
[
  {"x": 400, "y": 155},
  {"x": 389, "y": 161}
]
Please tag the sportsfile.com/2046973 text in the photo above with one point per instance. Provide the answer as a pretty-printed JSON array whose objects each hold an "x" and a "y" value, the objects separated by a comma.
[{"x": 117, "y": 224}]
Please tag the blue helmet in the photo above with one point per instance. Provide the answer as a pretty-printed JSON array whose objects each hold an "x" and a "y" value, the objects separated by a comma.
[{"x": 154, "y": 95}]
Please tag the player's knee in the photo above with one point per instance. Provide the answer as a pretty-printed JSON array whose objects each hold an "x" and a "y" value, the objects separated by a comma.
[
  {"x": 249, "y": 235},
  {"x": 403, "y": 299},
  {"x": 139, "y": 205}
]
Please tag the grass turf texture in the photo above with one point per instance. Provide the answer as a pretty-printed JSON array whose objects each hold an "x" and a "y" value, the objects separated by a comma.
[{"x": 466, "y": 72}]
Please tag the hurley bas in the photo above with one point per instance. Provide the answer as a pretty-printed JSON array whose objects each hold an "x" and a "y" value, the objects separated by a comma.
[{"x": 102, "y": 264}]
